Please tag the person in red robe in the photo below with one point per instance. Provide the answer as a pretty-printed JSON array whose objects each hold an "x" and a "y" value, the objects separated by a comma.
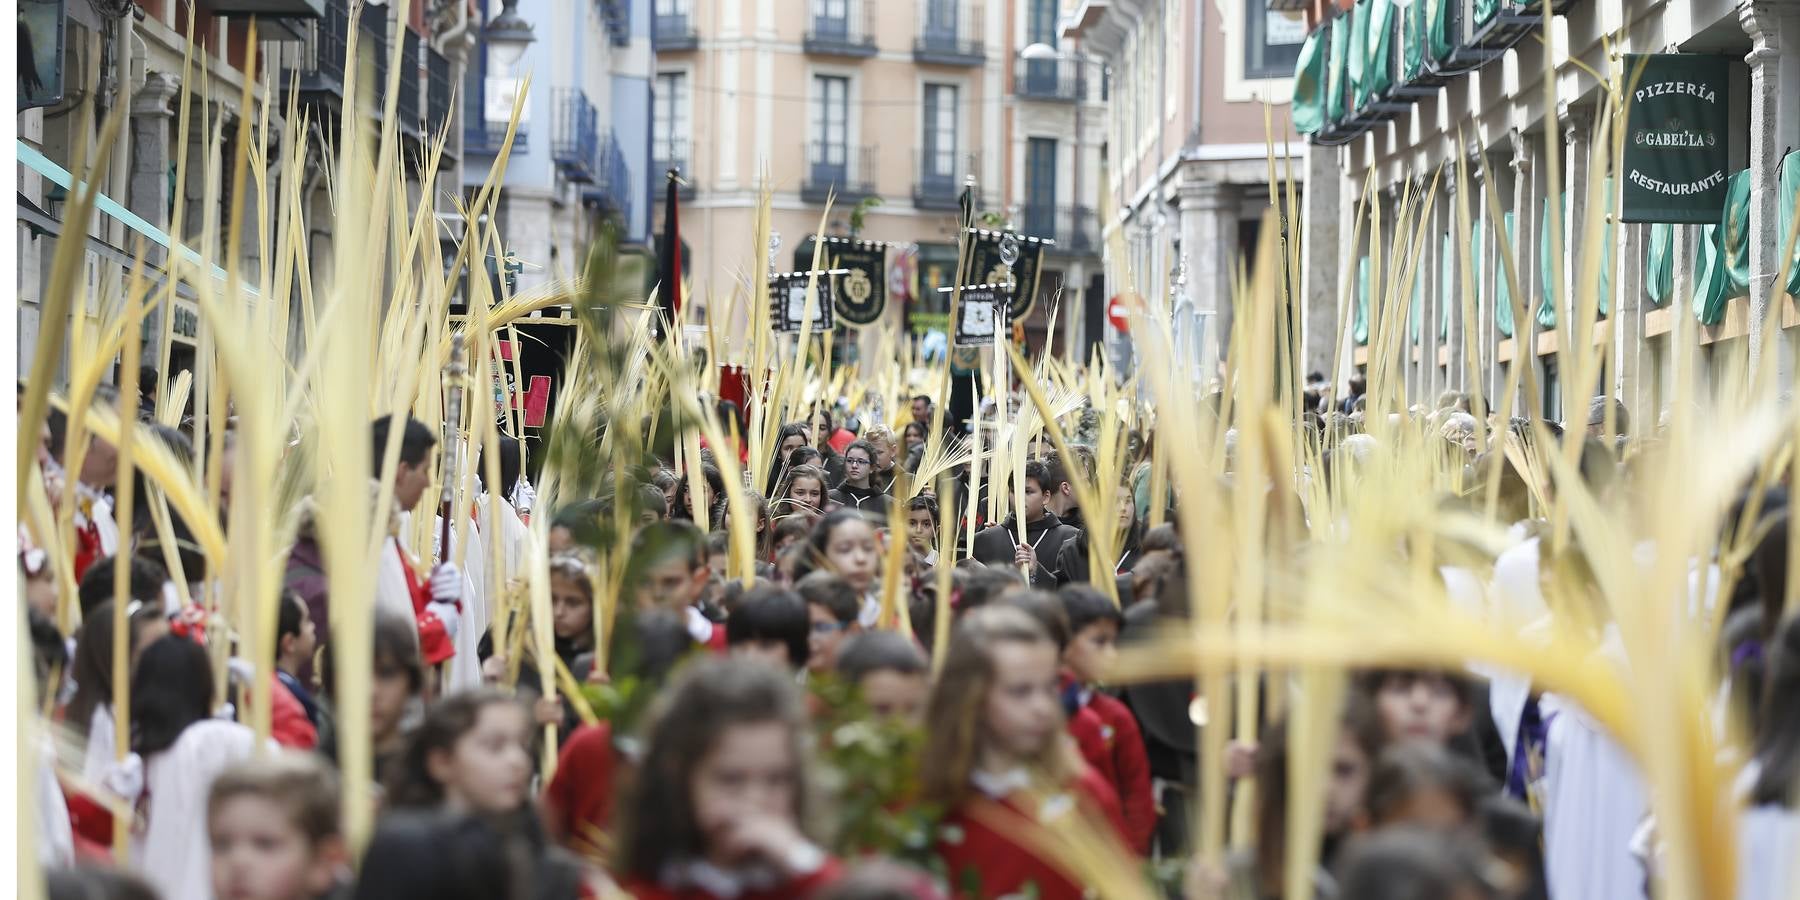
[
  {"x": 1094, "y": 624},
  {"x": 998, "y": 759},
  {"x": 715, "y": 811}
]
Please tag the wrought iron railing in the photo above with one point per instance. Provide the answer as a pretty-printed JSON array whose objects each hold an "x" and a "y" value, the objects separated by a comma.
[
  {"x": 841, "y": 28},
  {"x": 1049, "y": 79},
  {"x": 949, "y": 33},
  {"x": 839, "y": 169},
  {"x": 1075, "y": 229},
  {"x": 439, "y": 85},
  {"x": 575, "y": 135},
  {"x": 941, "y": 178}
]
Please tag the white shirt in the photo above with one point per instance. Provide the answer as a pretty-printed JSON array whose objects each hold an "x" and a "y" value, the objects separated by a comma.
[{"x": 170, "y": 849}]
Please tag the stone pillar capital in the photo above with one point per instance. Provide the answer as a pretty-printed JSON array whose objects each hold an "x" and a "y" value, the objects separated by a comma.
[
  {"x": 157, "y": 95},
  {"x": 1761, "y": 20},
  {"x": 1207, "y": 195}
]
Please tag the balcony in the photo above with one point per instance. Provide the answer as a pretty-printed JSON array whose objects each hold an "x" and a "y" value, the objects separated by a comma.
[
  {"x": 575, "y": 135},
  {"x": 672, "y": 157},
  {"x": 841, "y": 28},
  {"x": 374, "y": 46},
  {"x": 1075, "y": 229},
  {"x": 610, "y": 193},
  {"x": 481, "y": 137},
  {"x": 949, "y": 34},
  {"x": 617, "y": 16},
  {"x": 672, "y": 28},
  {"x": 940, "y": 181},
  {"x": 1051, "y": 80},
  {"x": 440, "y": 83},
  {"x": 845, "y": 173},
  {"x": 322, "y": 52}
]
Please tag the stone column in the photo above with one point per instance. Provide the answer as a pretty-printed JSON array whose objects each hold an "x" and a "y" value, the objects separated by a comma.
[
  {"x": 1320, "y": 269},
  {"x": 1209, "y": 235},
  {"x": 1450, "y": 307},
  {"x": 1774, "y": 60},
  {"x": 1524, "y": 231}
]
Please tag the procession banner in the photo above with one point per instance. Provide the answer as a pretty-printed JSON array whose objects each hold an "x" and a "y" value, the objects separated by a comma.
[
  {"x": 1677, "y": 149},
  {"x": 985, "y": 267},
  {"x": 860, "y": 294},
  {"x": 983, "y": 307},
  {"x": 787, "y": 302}
]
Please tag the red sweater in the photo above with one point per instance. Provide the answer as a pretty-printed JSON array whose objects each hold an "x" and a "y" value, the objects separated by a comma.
[
  {"x": 987, "y": 863},
  {"x": 578, "y": 801},
  {"x": 1130, "y": 767},
  {"x": 1089, "y": 732},
  {"x": 793, "y": 890}
]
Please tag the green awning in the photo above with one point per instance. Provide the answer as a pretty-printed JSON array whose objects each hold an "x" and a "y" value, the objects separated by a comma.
[
  {"x": 1659, "y": 272},
  {"x": 1359, "y": 321},
  {"x": 1710, "y": 280},
  {"x": 1546, "y": 311},
  {"x": 1790, "y": 194},
  {"x": 1609, "y": 248},
  {"x": 1359, "y": 53},
  {"x": 1437, "y": 21},
  {"x": 1309, "y": 86},
  {"x": 1734, "y": 235},
  {"x": 1475, "y": 243},
  {"x": 1484, "y": 10},
  {"x": 1378, "y": 75},
  {"x": 1503, "y": 314},
  {"x": 1412, "y": 46},
  {"x": 1446, "y": 284},
  {"x": 1336, "y": 69}
]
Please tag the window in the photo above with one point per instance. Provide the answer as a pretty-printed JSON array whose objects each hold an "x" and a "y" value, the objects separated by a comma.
[
  {"x": 1040, "y": 187},
  {"x": 669, "y": 124},
  {"x": 666, "y": 8},
  {"x": 831, "y": 119},
  {"x": 1272, "y": 40},
  {"x": 940, "y": 133},
  {"x": 940, "y": 19},
  {"x": 1041, "y": 28}
]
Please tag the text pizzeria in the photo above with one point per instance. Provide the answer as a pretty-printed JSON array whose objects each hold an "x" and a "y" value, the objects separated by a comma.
[{"x": 1689, "y": 88}]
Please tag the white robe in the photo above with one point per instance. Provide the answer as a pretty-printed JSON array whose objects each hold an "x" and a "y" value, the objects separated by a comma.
[
  {"x": 1768, "y": 851},
  {"x": 171, "y": 849},
  {"x": 1594, "y": 802}
]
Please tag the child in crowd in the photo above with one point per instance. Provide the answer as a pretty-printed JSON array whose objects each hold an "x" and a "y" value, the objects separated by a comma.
[
  {"x": 572, "y": 611},
  {"x": 1001, "y": 545},
  {"x": 395, "y": 692},
  {"x": 922, "y": 529},
  {"x": 274, "y": 830},
  {"x": 845, "y": 543},
  {"x": 177, "y": 750},
  {"x": 803, "y": 494},
  {"x": 832, "y": 611},
  {"x": 770, "y": 624},
  {"x": 1094, "y": 624},
  {"x": 858, "y": 490},
  {"x": 719, "y": 811},
  {"x": 295, "y": 717},
  {"x": 995, "y": 753},
  {"x": 471, "y": 754},
  {"x": 1418, "y": 782},
  {"x": 889, "y": 672},
  {"x": 1422, "y": 705},
  {"x": 669, "y": 570}
]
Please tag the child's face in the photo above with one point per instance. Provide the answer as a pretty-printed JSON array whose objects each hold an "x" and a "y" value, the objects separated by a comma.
[
  {"x": 1022, "y": 712},
  {"x": 1421, "y": 706},
  {"x": 715, "y": 565},
  {"x": 854, "y": 554},
  {"x": 857, "y": 466},
  {"x": 571, "y": 613},
  {"x": 1349, "y": 786},
  {"x": 1092, "y": 650},
  {"x": 806, "y": 495},
  {"x": 921, "y": 530},
  {"x": 258, "y": 854},
  {"x": 40, "y": 592},
  {"x": 1431, "y": 807},
  {"x": 750, "y": 772},
  {"x": 825, "y": 634},
  {"x": 1034, "y": 500},
  {"x": 387, "y": 701},
  {"x": 672, "y": 584},
  {"x": 892, "y": 694},
  {"x": 488, "y": 770},
  {"x": 307, "y": 640}
]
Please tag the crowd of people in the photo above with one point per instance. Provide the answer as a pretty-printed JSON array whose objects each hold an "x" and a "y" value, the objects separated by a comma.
[{"x": 721, "y": 737}]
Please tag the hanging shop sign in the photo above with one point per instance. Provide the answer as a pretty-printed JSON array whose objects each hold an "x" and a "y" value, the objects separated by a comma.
[
  {"x": 861, "y": 293},
  {"x": 788, "y": 308},
  {"x": 40, "y": 53},
  {"x": 1677, "y": 148}
]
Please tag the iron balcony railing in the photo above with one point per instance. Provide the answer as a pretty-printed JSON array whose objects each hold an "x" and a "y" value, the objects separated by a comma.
[
  {"x": 575, "y": 135},
  {"x": 1049, "y": 79},
  {"x": 841, "y": 28},
  {"x": 617, "y": 16},
  {"x": 611, "y": 192},
  {"x": 412, "y": 85},
  {"x": 949, "y": 34},
  {"x": 322, "y": 50},
  {"x": 845, "y": 172},
  {"x": 481, "y": 137},
  {"x": 1075, "y": 229},
  {"x": 440, "y": 83},
  {"x": 672, "y": 26},
  {"x": 374, "y": 46},
  {"x": 671, "y": 157},
  {"x": 941, "y": 178}
]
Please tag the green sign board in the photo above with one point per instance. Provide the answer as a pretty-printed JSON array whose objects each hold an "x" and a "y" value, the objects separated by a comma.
[{"x": 1677, "y": 148}]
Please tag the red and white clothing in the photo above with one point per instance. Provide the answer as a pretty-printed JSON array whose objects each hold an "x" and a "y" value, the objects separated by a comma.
[
  {"x": 989, "y": 862},
  {"x": 701, "y": 880},
  {"x": 96, "y": 534}
]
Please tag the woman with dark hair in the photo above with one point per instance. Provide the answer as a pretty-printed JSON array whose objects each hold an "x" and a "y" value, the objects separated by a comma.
[
  {"x": 858, "y": 489},
  {"x": 177, "y": 750},
  {"x": 432, "y": 855}
]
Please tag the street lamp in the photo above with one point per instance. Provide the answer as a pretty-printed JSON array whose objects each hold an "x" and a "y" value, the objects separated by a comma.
[
  {"x": 1039, "y": 51},
  {"x": 507, "y": 35}
]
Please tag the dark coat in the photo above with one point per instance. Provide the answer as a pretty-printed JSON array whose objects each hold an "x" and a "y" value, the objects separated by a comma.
[{"x": 996, "y": 544}]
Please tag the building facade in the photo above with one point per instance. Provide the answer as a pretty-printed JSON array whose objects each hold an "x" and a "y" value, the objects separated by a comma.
[
  {"x": 581, "y": 153},
  {"x": 126, "y": 52},
  {"x": 1477, "y": 95},
  {"x": 890, "y": 108},
  {"x": 1188, "y": 149}
]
